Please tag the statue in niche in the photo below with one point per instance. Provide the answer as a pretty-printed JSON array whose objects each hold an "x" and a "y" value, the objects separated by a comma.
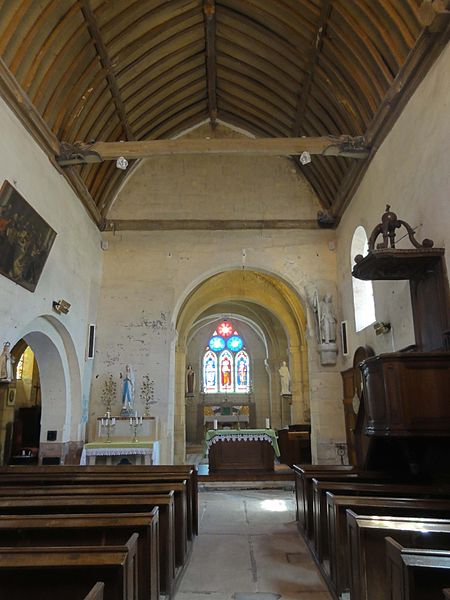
[
  {"x": 128, "y": 389},
  {"x": 285, "y": 379},
  {"x": 6, "y": 371},
  {"x": 190, "y": 381}
]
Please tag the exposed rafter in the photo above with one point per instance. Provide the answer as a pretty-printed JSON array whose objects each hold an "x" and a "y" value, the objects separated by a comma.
[
  {"x": 21, "y": 105},
  {"x": 209, "y": 11},
  {"x": 105, "y": 60},
  {"x": 434, "y": 14},
  {"x": 417, "y": 64},
  {"x": 325, "y": 146},
  {"x": 303, "y": 96}
]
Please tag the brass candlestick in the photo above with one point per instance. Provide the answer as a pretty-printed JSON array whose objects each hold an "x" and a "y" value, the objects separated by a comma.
[
  {"x": 108, "y": 423},
  {"x": 135, "y": 423}
]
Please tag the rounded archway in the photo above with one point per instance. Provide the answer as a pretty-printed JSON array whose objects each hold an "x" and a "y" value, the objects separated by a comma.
[
  {"x": 269, "y": 303},
  {"x": 60, "y": 385}
]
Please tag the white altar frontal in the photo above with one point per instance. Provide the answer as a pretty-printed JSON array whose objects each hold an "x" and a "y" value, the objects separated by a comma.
[{"x": 117, "y": 440}]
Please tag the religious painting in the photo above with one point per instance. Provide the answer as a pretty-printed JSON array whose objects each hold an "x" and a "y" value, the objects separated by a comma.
[{"x": 25, "y": 239}]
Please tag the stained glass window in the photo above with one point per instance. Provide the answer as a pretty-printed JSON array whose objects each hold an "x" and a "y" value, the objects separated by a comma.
[
  {"x": 242, "y": 372},
  {"x": 226, "y": 364},
  {"x": 210, "y": 373},
  {"x": 226, "y": 381}
]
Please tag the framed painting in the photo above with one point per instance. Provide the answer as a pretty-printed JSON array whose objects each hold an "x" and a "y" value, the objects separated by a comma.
[{"x": 25, "y": 239}]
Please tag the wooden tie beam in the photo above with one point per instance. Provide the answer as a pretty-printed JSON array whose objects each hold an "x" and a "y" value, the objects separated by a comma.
[{"x": 344, "y": 145}]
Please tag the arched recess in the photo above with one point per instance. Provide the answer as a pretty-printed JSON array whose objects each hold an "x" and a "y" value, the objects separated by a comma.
[
  {"x": 60, "y": 382},
  {"x": 363, "y": 301},
  {"x": 250, "y": 287}
]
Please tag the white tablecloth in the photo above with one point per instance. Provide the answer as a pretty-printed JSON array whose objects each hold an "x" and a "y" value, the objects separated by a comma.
[{"x": 150, "y": 452}]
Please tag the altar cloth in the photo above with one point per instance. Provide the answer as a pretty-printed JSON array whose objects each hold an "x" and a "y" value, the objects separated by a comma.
[{"x": 242, "y": 435}]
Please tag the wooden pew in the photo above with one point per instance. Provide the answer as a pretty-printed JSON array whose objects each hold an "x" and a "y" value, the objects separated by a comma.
[
  {"x": 303, "y": 475},
  {"x": 68, "y": 475},
  {"x": 337, "y": 506},
  {"x": 92, "y": 488},
  {"x": 97, "y": 592},
  {"x": 304, "y": 488},
  {"x": 41, "y": 573},
  {"x": 360, "y": 488},
  {"x": 90, "y": 529},
  {"x": 109, "y": 504},
  {"x": 446, "y": 593},
  {"x": 416, "y": 574},
  {"x": 367, "y": 553}
]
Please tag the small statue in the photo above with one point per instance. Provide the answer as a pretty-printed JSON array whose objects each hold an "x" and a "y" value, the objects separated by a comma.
[
  {"x": 190, "y": 380},
  {"x": 285, "y": 379},
  {"x": 6, "y": 360},
  {"x": 128, "y": 392},
  {"x": 327, "y": 320}
]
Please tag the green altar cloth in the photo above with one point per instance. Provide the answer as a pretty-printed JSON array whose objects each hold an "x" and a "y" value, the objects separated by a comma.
[{"x": 244, "y": 435}]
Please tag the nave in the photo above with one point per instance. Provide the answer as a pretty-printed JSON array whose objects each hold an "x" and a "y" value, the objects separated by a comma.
[{"x": 249, "y": 548}]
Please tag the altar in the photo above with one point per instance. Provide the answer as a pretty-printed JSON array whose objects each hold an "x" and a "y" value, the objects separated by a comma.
[
  {"x": 144, "y": 453},
  {"x": 244, "y": 450}
]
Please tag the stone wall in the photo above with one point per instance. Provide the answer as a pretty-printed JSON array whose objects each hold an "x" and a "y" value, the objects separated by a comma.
[{"x": 72, "y": 272}]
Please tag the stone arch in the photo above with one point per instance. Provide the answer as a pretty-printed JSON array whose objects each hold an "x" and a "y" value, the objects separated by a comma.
[
  {"x": 252, "y": 287},
  {"x": 60, "y": 381}
]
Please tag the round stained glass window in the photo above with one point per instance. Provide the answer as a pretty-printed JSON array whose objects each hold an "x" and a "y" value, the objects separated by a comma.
[
  {"x": 217, "y": 343},
  {"x": 225, "y": 329},
  {"x": 235, "y": 343}
]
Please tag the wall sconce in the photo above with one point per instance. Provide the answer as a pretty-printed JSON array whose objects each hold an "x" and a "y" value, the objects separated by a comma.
[
  {"x": 61, "y": 306},
  {"x": 381, "y": 327}
]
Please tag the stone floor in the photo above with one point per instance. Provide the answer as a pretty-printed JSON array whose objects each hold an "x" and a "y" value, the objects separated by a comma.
[{"x": 249, "y": 549}]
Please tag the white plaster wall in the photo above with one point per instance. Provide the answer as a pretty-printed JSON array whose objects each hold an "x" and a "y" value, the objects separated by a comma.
[
  {"x": 147, "y": 275},
  {"x": 411, "y": 172},
  {"x": 72, "y": 270}
]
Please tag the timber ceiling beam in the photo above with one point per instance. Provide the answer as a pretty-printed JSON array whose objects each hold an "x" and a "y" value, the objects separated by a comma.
[
  {"x": 105, "y": 60},
  {"x": 19, "y": 102},
  {"x": 207, "y": 224},
  {"x": 352, "y": 147},
  {"x": 419, "y": 61},
  {"x": 434, "y": 14},
  {"x": 303, "y": 96},
  {"x": 209, "y": 11}
]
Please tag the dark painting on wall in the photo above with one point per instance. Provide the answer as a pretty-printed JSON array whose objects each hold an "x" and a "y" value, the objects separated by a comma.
[{"x": 25, "y": 239}]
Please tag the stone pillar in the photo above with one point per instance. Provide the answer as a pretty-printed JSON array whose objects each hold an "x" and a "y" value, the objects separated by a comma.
[
  {"x": 299, "y": 384},
  {"x": 179, "y": 418}
]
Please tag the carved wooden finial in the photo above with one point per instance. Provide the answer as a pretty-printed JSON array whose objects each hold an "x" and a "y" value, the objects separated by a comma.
[{"x": 387, "y": 229}]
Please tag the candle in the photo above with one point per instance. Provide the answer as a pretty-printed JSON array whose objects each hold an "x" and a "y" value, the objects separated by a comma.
[
  {"x": 99, "y": 428},
  {"x": 140, "y": 420},
  {"x": 215, "y": 423},
  {"x": 114, "y": 420},
  {"x": 267, "y": 423},
  {"x": 131, "y": 421}
]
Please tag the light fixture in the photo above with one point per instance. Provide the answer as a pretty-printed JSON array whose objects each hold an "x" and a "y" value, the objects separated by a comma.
[
  {"x": 61, "y": 306},
  {"x": 381, "y": 327},
  {"x": 305, "y": 157},
  {"x": 121, "y": 163}
]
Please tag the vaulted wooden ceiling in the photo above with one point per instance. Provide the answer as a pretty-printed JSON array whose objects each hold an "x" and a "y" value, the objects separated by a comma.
[{"x": 109, "y": 70}]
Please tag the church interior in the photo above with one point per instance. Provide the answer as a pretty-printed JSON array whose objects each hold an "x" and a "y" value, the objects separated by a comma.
[{"x": 224, "y": 299}]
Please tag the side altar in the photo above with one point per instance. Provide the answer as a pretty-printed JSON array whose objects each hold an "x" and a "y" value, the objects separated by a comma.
[
  {"x": 244, "y": 450},
  {"x": 235, "y": 415},
  {"x": 123, "y": 438}
]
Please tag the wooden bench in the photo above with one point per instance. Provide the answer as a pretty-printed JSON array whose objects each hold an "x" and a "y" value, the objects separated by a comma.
[
  {"x": 97, "y": 592},
  {"x": 303, "y": 475},
  {"x": 359, "y": 488},
  {"x": 93, "y": 488},
  {"x": 40, "y": 573},
  {"x": 77, "y": 530},
  {"x": 367, "y": 553},
  {"x": 304, "y": 479},
  {"x": 109, "y": 504},
  {"x": 337, "y": 506},
  {"x": 416, "y": 574},
  {"x": 74, "y": 475}
]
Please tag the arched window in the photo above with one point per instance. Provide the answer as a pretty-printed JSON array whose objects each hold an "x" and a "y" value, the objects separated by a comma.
[
  {"x": 363, "y": 302},
  {"x": 226, "y": 364}
]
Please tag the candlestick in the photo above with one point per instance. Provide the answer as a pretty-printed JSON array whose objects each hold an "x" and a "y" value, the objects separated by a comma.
[
  {"x": 267, "y": 423},
  {"x": 135, "y": 424},
  {"x": 215, "y": 424},
  {"x": 108, "y": 424}
]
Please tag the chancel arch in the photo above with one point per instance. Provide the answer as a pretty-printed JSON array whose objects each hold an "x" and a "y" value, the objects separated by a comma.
[{"x": 268, "y": 313}]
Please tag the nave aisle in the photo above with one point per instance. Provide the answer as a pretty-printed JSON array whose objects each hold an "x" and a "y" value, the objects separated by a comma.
[{"x": 249, "y": 549}]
